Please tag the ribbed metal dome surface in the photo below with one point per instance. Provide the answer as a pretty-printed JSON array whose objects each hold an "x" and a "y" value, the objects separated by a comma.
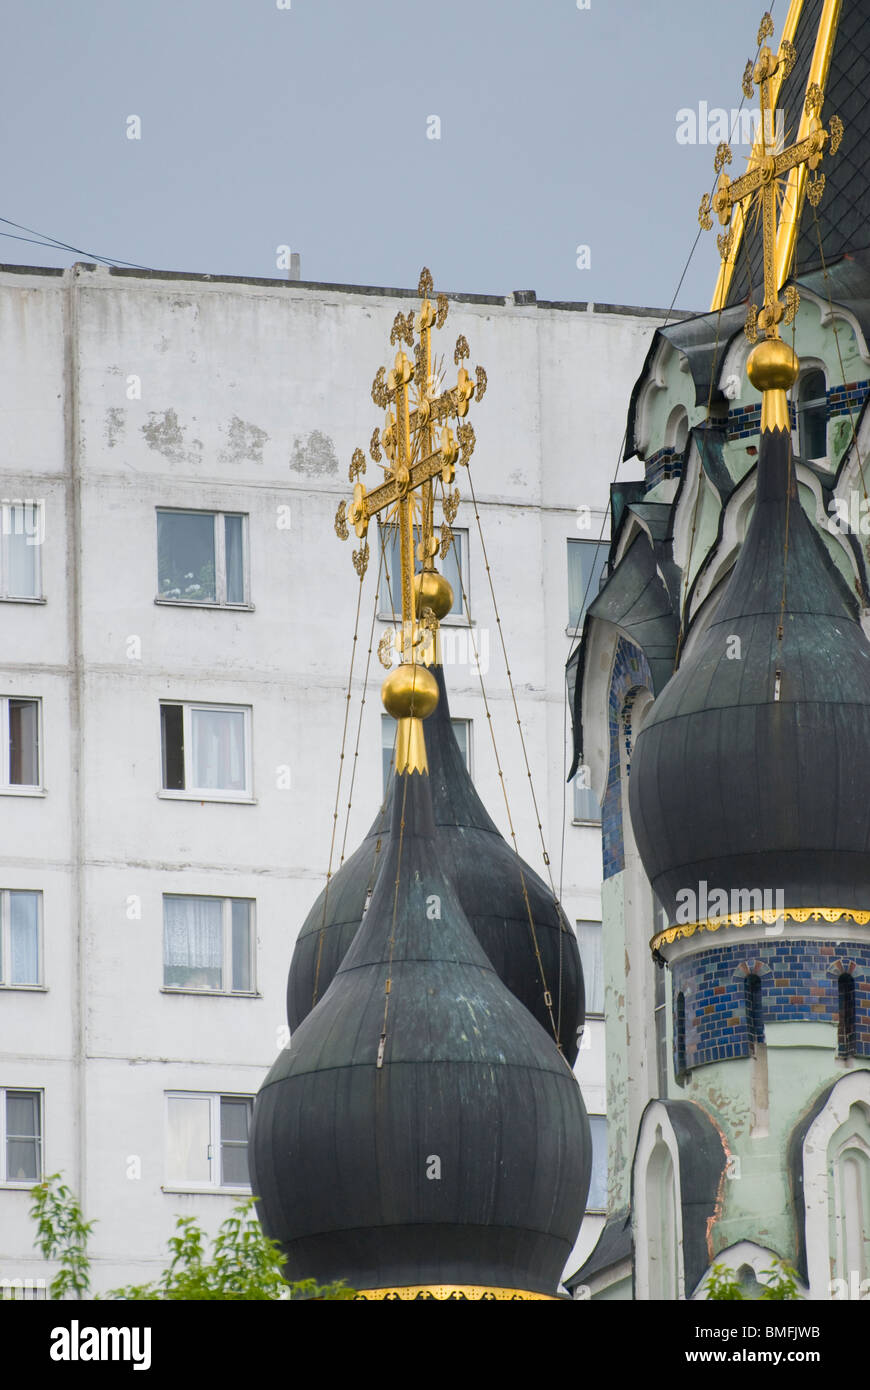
[
  {"x": 342, "y": 1150},
  {"x": 486, "y": 874},
  {"x": 732, "y": 786}
]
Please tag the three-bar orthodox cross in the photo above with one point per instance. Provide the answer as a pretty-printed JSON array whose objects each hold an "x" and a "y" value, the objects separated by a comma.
[
  {"x": 415, "y": 408},
  {"x": 761, "y": 182}
]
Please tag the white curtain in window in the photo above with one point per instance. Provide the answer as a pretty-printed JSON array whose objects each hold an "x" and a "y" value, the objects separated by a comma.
[
  {"x": 597, "y": 1199},
  {"x": 187, "y": 1139},
  {"x": 592, "y": 959},
  {"x": 24, "y": 938},
  {"x": 22, "y": 534},
  {"x": 193, "y": 941},
  {"x": 241, "y": 945},
  {"x": 233, "y": 559},
  {"x": 218, "y": 749}
]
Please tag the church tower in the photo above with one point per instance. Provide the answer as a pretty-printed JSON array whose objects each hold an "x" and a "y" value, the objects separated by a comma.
[
  {"x": 423, "y": 1136},
  {"x": 741, "y": 696}
]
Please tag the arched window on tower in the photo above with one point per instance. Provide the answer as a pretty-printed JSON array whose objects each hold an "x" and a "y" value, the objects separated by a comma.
[
  {"x": 754, "y": 1012},
  {"x": 812, "y": 414},
  {"x": 834, "y": 1204},
  {"x": 849, "y": 1159},
  {"x": 846, "y": 1015},
  {"x": 677, "y": 429},
  {"x": 662, "y": 1218}
]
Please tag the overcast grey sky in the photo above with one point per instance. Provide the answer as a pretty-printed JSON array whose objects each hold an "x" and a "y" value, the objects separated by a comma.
[{"x": 307, "y": 127}]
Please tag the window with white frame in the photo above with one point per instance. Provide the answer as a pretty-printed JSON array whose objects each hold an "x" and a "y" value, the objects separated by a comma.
[
  {"x": 592, "y": 959},
  {"x": 461, "y": 729},
  {"x": 453, "y": 566},
  {"x": 207, "y": 1139},
  {"x": 22, "y": 530},
  {"x": 206, "y": 749},
  {"x": 597, "y": 1199},
  {"x": 201, "y": 558},
  {"x": 20, "y": 1136},
  {"x": 20, "y": 931},
  {"x": 586, "y": 561},
  {"x": 19, "y": 738},
  {"x": 208, "y": 944}
]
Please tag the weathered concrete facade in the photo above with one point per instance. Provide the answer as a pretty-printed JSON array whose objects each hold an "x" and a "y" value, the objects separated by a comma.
[{"x": 125, "y": 392}]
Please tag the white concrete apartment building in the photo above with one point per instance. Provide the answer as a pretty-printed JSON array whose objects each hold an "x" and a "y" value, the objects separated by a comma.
[{"x": 176, "y": 616}]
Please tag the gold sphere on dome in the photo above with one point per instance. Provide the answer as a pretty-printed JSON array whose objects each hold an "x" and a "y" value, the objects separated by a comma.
[
  {"x": 433, "y": 591},
  {"x": 772, "y": 366},
  {"x": 409, "y": 691}
]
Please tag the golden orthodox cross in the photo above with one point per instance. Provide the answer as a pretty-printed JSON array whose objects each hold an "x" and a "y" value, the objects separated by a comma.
[
  {"x": 415, "y": 408},
  {"x": 761, "y": 182}
]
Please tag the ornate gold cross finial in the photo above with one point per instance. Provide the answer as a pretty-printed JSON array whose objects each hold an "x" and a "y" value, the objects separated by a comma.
[
  {"x": 772, "y": 366},
  {"x": 761, "y": 184},
  {"x": 420, "y": 447}
]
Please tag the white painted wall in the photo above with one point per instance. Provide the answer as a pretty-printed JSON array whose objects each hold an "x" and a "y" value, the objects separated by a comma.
[{"x": 286, "y": 370}]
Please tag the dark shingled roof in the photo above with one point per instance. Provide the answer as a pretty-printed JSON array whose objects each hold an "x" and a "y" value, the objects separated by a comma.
[
  {"x": 487, "y": 875},
  {"x": 614, "y": 1245},
  {"x": 340, "y": 1146},
  {"x": 734, "y": 786}
]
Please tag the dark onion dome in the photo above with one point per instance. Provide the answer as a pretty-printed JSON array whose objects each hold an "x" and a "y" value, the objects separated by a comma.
[
  {"x": 488, "y": 877},
  {"x": 743, "y": 785},
  {"x": 464, "y": 1159}
]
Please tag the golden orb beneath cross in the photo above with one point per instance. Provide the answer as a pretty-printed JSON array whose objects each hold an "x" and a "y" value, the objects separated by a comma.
[
  {"x": 410, "y": 692},
  {"x": 433, "y": 591},
  {"x": 772, "y": 366}
]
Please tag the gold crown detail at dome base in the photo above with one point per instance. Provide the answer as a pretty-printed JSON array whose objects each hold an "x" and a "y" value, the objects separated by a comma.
[
  {"x": 455, "y": 1292},
  {"x": 857, "y": 916}
]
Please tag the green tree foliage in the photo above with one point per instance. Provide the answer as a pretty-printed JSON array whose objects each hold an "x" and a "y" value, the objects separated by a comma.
[
  {"x": 242, "y": 1263},
  {"x": 62, "y": 1234},
  {"x": 723, "y": 1284},
  {"x": 781, "y": 1283}
]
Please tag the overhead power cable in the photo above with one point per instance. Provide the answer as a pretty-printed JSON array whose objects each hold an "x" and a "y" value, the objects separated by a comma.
[{"x": 54, "y": 243}]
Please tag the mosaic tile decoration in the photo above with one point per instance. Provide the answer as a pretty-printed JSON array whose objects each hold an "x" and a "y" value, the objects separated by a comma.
[{"x": 798, "y": 985}]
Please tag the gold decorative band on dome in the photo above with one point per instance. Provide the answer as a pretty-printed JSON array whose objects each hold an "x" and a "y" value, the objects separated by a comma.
[
  {"x": 411, "y": 747},
  {"x": 456, "y": 1293},
  {"x": 857, "y": 916}
]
